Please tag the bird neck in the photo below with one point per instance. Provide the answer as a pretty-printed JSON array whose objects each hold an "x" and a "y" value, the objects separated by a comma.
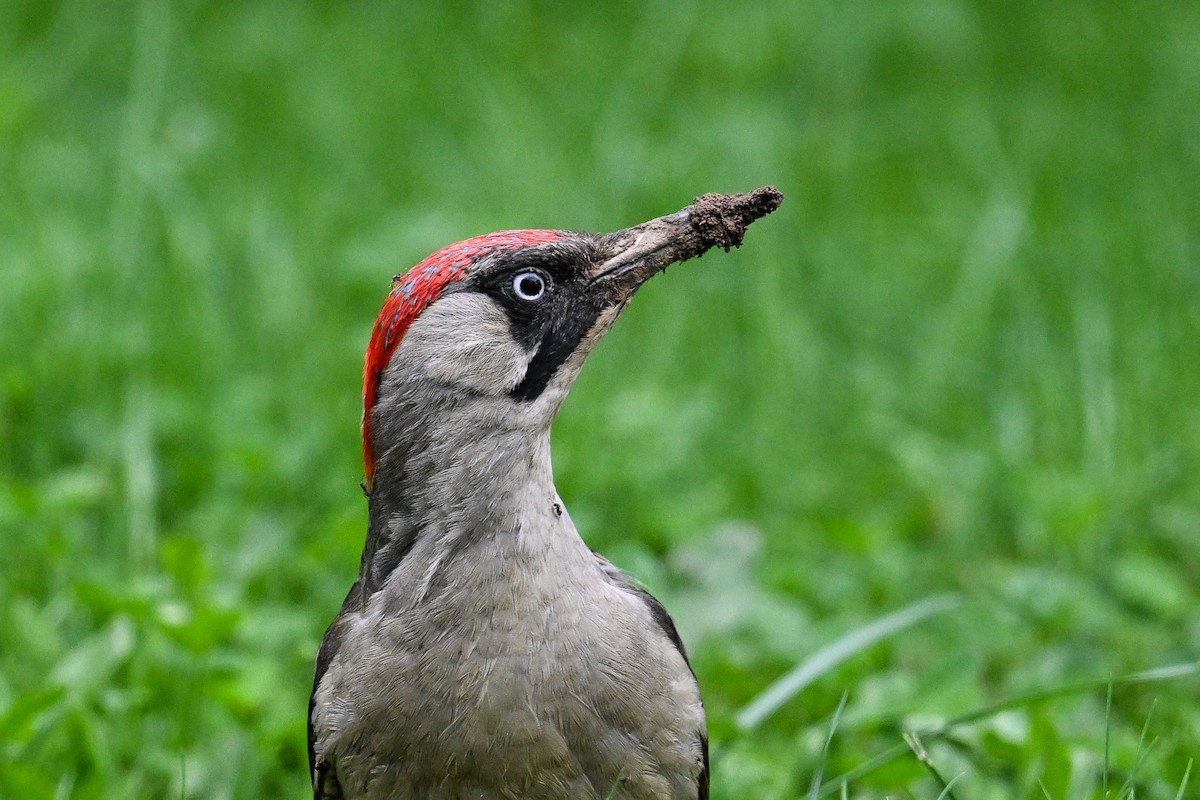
[{"x": 455, "y": 488}]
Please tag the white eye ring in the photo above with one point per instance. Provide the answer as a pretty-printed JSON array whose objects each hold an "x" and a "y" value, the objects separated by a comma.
[{"x": 529, "y": 286}]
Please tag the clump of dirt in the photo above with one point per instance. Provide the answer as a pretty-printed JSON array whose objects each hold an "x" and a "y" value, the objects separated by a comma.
[{"x": 722, "y": 219}]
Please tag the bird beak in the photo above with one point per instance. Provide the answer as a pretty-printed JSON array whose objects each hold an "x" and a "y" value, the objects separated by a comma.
[{"x": 630, "y": 257}]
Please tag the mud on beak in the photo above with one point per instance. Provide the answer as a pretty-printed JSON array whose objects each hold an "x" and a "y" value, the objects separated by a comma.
[{"x": 632, "y": 256}]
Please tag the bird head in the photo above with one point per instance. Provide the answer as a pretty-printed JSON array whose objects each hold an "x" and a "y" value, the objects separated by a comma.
[{"x": 495, "y": 328}]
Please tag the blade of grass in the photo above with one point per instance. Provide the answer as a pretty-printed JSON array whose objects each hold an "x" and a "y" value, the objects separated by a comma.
[
  {"x": 1076, "y": 687},
  {"x": 1187, "y": 773},
  {"x": 1170, "y": 672},
  {"x": 913, "y": 740},
  {"x": 865, "y": 768},
  {"x": 1180, "y": 670},
  {"x": 1107, "y": 741},
  {"x": 947, "y": 794},
  {"x": 827, "y": 658},
  {"x": 815, "y": 786},
  {"x": 1143, "y": 750}
]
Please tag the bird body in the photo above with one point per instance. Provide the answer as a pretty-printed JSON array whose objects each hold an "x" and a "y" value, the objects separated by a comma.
[{"x": 484, "y": 651}]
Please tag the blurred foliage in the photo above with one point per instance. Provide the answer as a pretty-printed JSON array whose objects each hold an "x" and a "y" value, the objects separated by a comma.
[{"x": 962, "y": 358}]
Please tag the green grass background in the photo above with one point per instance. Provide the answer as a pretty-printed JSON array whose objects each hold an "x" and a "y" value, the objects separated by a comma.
[{"x": 963, "y": 358}]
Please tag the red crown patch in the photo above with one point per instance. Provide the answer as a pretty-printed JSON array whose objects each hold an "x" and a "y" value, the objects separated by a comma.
[{"x": 412, "y": 293}]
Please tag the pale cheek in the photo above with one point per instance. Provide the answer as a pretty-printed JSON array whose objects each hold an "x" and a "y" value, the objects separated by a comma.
[
  {"x": 463, "y": 340},
  {"x": 487, "y": 366}
]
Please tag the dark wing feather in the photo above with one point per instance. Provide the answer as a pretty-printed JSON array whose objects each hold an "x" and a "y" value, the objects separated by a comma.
[
  {"x": 324, "y": 778},
  {"x": 657, "y": 611},
  {"x": 663, "y": 619}
]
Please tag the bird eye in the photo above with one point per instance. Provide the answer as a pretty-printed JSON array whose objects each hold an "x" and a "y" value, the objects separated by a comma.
[{"x": 529, "y": 286}]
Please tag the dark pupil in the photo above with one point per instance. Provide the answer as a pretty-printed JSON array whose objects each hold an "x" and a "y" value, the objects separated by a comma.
[{"x": 529, "y": 285}]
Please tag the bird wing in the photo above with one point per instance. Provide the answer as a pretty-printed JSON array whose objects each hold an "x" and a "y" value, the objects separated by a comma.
[
  {"x": 659, "y": 614},
  {"x": 667, "y": 625},
  {"x": 320, "y": 769}
]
